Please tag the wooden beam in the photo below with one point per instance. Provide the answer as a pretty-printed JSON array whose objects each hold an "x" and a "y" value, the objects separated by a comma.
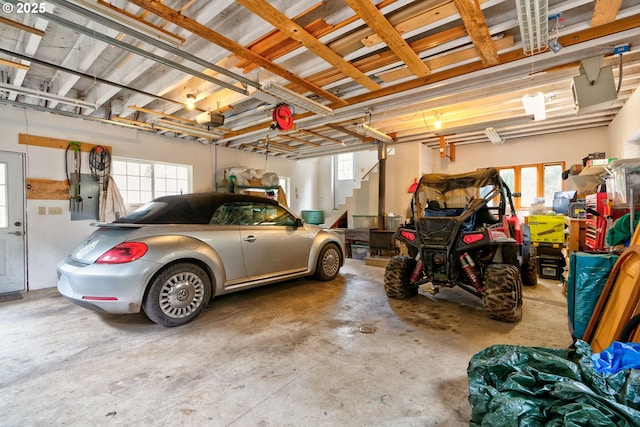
[
  {"x": 274, "y": 144},
  {"x": 206, "y": 33},
  {"x": 429, "y": 16},
  {"x": 62, "y": 144},
  {"x": 443, "y": 147},
  {"x": 317, "y": 135},
  {"x": 350, "y": 132},
  {"x": 379, "y": 24},
  {"x": 619, "y": 25},
  {"x": 279, "y": 20},
  {"x": 132, "y": 122},
  {"x": 605, "y": 11},
  {"x": 302, "y": 141},
  {"x": 452, "y": 152},
  {"x": 21, "y": 26},
  {"x": 140, "y": 20},
  {"x": 445, "y": 60},
  {"x": 161, "y": 114},
  {"x": 14, "y": 64},
  {"x": 476, "y": 26},
  {"x": 382, "y": 59}
]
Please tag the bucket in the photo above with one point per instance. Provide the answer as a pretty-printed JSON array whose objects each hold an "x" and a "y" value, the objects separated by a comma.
[{"x": 393, "y": 222}]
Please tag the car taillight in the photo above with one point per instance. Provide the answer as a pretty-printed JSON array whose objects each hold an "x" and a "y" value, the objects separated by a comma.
[
  {"x": 408, "y": 235},
  {"x": 124, "y": 252}
]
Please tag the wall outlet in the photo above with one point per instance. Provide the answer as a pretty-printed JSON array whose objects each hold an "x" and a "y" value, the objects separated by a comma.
[
  {"x": 42, "y": 210},
  {"x": 55, "y": 210}
]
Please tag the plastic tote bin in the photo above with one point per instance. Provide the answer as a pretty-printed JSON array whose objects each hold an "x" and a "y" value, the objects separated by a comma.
[
  {"x": 313, "y": 216},
  {"x": 588, "y": 273}
]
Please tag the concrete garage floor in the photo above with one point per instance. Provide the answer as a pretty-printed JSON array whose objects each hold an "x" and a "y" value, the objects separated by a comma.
[{"x": 294, "y": 353}]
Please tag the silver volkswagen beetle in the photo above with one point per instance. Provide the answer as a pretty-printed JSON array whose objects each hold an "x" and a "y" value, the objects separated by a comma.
[{"x": 170, "y": 256}]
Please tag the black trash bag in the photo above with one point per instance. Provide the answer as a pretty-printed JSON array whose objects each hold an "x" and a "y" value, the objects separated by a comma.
[{"x": 533, "y": 386}]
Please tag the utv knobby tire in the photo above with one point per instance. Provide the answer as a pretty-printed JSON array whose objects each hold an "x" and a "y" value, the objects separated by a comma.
[
  {"x": 502, "y": 293},
  {"x": 396, "y": 277},
  {"x": 529, "y": 269}
]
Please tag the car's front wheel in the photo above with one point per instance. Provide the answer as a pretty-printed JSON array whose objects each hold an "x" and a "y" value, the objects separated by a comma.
[
  {"x": 329, "y": 262},
  {"x": 177, "y": 294}
]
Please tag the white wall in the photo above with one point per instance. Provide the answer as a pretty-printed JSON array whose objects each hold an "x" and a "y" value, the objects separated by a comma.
[
  {"x": 569, "y": 147},
  {"x": 51, "y": 237},
  {"x": 624, "y": 130}
]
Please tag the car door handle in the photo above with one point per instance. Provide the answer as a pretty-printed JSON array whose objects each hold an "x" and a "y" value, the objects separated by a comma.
[
  {"x": 250, "y": 239},
  {"x": 17, "y": 233}
]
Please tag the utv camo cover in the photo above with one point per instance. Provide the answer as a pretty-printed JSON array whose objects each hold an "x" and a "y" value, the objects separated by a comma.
[{"x": 464, "y": 232}]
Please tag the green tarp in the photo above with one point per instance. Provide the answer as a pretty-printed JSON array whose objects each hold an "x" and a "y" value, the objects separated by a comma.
[{"x": 532, "y": 386}]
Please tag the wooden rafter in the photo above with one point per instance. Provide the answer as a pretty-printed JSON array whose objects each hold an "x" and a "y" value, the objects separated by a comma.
[
  {"x": 379, "y": 24},
  {"x": 476, "y": 26},
  {"x": 140, "y": 20},
  {"x": 300, "y": 140},
  {"x": 206, "y": 33},
  {"x": 21, "y": 26},
  {"x": 605, "y": 11},
  {"x": 418, "y": 20},
  {"x": 318, "y": 135},
  {"x": 279, "y": 20},
  {"x": 14, "y": 64},
  {"x": 445, "y": 60},
  {"x": 384, "y": 58},
  {"x": 161, "y": 114},
  {"x": 350, "y": 132},
  {"x": 582, "y": 36},
  {"x": 277, "y": 43}
]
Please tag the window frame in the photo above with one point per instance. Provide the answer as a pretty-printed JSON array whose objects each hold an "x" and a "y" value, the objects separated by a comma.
[
  {"x": 341, "y": 163},
  {"x": 517, "y": 179},
  {"x": 154, "y": 191}
]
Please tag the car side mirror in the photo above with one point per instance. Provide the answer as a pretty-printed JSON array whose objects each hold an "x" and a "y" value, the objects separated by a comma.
[{"x": 298, "y": 223}]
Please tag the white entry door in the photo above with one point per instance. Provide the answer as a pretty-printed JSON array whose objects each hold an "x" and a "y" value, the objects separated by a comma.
[{"x": 12, "y": 239}]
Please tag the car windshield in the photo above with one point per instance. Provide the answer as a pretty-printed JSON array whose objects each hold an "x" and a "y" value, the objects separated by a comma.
[{"x": 172, "y": 210}]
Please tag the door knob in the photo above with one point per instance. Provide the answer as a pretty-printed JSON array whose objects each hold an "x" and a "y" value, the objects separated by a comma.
[{"x": 17, "y": 233}]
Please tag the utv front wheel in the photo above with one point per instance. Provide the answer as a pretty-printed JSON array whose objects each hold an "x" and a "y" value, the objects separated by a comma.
[
  {"x": 529, "y": 269},
  {"x": 502, "y": 294},
  {"x": 396, "y": 277}
]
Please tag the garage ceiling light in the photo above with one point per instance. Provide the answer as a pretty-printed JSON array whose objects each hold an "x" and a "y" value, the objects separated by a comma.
[
  {"x": 533, "y": 17},
  {"x": 493, "y": 136},
  {"x": 365, "y": 130}
]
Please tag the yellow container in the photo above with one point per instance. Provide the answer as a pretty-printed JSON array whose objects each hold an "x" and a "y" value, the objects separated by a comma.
[{"x": 547, "y": 228}]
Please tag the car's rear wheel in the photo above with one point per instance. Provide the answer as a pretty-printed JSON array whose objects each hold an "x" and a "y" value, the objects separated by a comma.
[
  {"x": 177, "y": 294},
  {"x": 329, "y": 262},
  {"x": 396, "y": 277},
  {"x": 529, "y": 269},
  {"x": 502, "y": 292}
]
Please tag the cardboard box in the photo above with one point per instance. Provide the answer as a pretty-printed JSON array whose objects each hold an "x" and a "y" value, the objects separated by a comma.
[{"x": 547, "y": 228}]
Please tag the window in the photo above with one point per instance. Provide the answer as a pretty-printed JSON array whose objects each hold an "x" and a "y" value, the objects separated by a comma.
[
  {"x": 140, "y": 182},
  {"x": 345, "y": 166},
  {"x": 248, "y": 213},
  {"x": 533, "y": 181}
]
